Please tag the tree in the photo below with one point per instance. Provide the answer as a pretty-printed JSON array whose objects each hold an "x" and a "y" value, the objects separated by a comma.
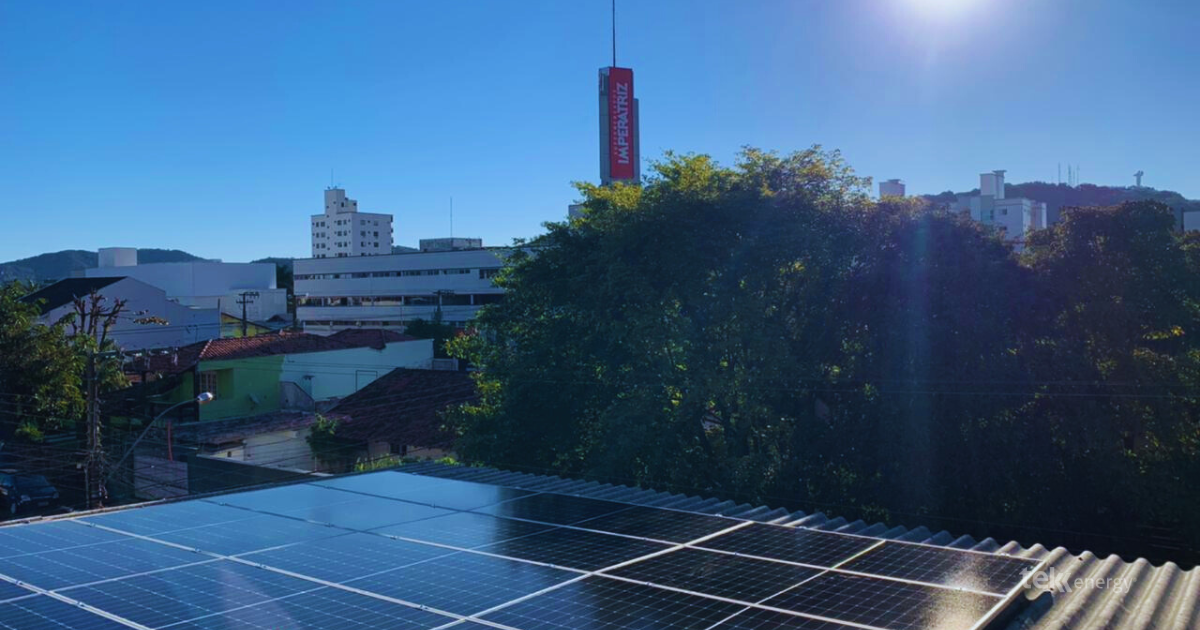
[
  {"x": 440, "y": 333},
  {"x": 765, "y": 332},
  {"x": 39, "y": 370}
]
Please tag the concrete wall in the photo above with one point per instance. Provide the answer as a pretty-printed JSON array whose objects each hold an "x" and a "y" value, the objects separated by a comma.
[
  {"x": 339, "y": 373},
  {"x": 204, "y": 284},
  {"x": 245, "y": 387},
  {"x": 185, "y": 325}
]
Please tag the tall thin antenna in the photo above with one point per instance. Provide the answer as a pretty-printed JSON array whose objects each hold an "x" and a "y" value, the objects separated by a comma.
[
  {"x": 331, "y": 177},
  {"x": 614, "y": 34}
]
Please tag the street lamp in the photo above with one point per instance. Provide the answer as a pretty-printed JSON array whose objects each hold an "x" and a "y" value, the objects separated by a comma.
[{"x": 203, "y": 399}]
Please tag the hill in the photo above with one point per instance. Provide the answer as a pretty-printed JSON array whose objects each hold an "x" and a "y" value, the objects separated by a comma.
[
  {"x": 1055, "y": 196},
  {"x": 58, "y": 265}
]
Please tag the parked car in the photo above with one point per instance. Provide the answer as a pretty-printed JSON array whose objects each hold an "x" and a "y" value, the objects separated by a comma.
[{"x": 20, "y": 491}]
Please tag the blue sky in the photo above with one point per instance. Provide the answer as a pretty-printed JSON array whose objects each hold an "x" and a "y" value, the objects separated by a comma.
[{"x": 213, "y": 126}]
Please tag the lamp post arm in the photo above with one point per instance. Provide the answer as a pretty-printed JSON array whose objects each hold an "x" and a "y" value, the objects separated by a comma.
[{"x": 141, "y": 435}]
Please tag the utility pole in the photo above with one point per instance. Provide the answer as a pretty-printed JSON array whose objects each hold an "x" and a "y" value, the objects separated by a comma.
[
  {"x": 94, "y": 466},
  {"x": 440, "y": 293},
  {"x": 243, "y": 301}
]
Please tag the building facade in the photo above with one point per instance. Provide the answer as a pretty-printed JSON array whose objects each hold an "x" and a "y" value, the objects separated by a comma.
[
  {"x": 891, "y": 188},
  {"x": 390, "y": 291},
  {"x": 1014, "y": 217},
  {"x": 202, "y": 283},
  {"x": 149, "y": 320},
  {"x": 342, "y": 231}
]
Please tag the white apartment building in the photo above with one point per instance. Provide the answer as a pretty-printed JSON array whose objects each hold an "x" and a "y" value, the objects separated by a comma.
[
  {"x": 1014, "y": 217},
  {"x": 390, "y": 291},
  {"x": 342, "y": 231},
  {"x": 202, "y": 283}
]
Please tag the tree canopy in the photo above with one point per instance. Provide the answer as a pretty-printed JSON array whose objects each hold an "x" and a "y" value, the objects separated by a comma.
[{"x": 766, "y": 332}]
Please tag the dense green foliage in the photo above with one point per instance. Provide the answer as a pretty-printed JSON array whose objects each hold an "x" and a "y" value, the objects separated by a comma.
[
  {"x": 766, "y": 332},
  {"x": 40, "y": 371},
  {"x": 437, "y": 331}
]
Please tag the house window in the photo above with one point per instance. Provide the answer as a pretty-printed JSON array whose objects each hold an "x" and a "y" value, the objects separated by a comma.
[{"x": 208, "y": 382}]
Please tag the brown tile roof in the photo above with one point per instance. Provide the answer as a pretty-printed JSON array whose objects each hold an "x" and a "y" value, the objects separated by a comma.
[
  {"x": 270, "y": 344},
  {"x": 404, "y": 407},
  {"x": 373, "y": 337}
]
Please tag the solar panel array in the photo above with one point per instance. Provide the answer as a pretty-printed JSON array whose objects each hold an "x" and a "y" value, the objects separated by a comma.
[{"x": 394, "y": 550}]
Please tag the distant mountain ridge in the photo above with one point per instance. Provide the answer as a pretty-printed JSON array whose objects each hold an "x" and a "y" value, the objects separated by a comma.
[
  {"x": 59, "y": 265},
  {"x": 1056, "y": 196}
]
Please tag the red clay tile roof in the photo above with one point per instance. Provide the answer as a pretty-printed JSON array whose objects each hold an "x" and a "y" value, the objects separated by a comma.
[
  {"x": 373, "y": 337},
  {"x": 263, "y": 345},
  {"x": 404, "y": 407}
]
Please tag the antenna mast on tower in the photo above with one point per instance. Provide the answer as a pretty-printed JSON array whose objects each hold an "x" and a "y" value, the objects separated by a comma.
[{"x": 614, "y": 32}]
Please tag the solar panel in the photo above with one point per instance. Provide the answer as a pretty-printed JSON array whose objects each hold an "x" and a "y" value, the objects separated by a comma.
[
  {"x": 158, "y": 599},
  {"x": 284, "y": 497},
  {"x": 46, "y": 613},
  {"x": 792, "y": 544},
  {"x": 71, "y": 567},
  {"x": 761, "y": 619},
  {"x": 372, "y": 550},
  {"x": 346, "y": 557},
  {"x": 364, "y": 512},
  {"x": 719, "y": 574},
  {"x": 260, "y": 532},
  {"x": 463, "y": 583},
  {"x": 948, "y": 567},
  {"x": 459, "y": 495},
  {"x": 659, "y": 524},
  {"x": 885, "y": 603},
  {"x": 35, "y": 538},
  {"x": 576, "y": 549},
  {"x": 322, "y": 608},
  {"x": 145, "y": 521},
  {"x": 8, "y": 590},
  {"x": 464, "y": 529},
  {"x": 597, "y": 602},
  {"x": 559, "y": 509}
]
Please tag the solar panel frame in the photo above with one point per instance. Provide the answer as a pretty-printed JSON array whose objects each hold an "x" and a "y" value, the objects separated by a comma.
[
  {"x": 905, "y": 605},
  {"x": 555, "y": 509},
  {"x": 722, "y": 575},
  {"x": 42, "y": 612},
  {"x": 554, "y": 540},
  {"x": 464, "y": 582},
  {"x": 576, "y": 548},
  {"x": 72, "y": 567},
  {"x": 599, "y": 602},
  {"x": 313, "y": 610},
  {"x": 805, "y": 546},
  {"x": 348, "y": 557},
  {"x": 653, "y": 523},
  {"x": 145, "y": 598},
  {"x": 980, "y": 572},
  {"x": 464, "y": 530},
  {"x": 18, "y": 540}
]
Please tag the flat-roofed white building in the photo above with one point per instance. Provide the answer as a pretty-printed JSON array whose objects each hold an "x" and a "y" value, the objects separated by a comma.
[
  {"x": 1014, "y": 217},
  {"x": 342, "y": 231},
  {"x": 202, "y": 283},
  {"x": 391, "y": 291}
]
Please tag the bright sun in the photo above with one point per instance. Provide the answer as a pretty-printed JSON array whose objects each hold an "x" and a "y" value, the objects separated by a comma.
[{"x": 942, "y": 8}]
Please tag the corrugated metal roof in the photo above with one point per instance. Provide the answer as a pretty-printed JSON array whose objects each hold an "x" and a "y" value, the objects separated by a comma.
[{"x": 1163, "y": 597}]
